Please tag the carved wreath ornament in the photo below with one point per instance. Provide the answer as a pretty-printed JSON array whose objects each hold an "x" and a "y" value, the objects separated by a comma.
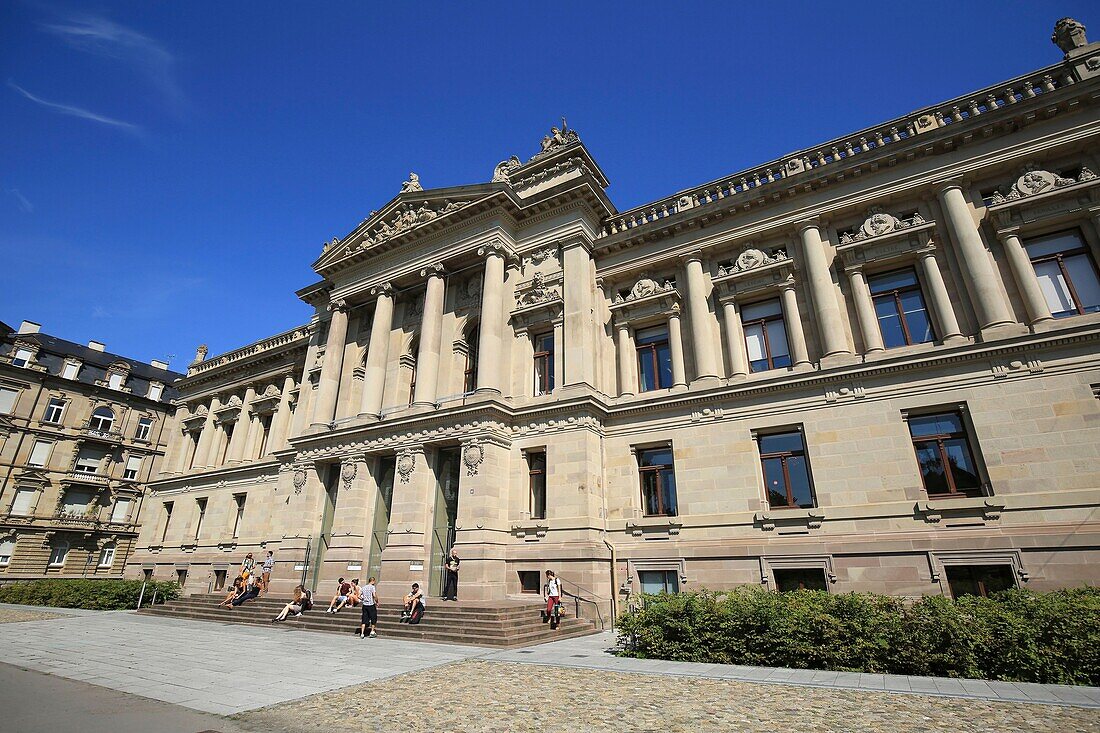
[
  {"x": 347, "y": 473},
  {"x": 472, "y": 457},
  {"x": 405, "y": 466},
  {"x": 299, "y": 480}
]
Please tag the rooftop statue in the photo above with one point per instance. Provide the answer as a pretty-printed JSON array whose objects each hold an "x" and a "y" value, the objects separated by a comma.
[
  {"x": 558, "y": 137},
  {"x": 1069, "y": 35},
  {"x": 413, "y": 184}
]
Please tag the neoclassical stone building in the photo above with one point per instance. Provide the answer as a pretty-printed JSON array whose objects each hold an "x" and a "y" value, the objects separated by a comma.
[
  {"x": 871, "y": 365},
  {"x": 82, "y": 430}
]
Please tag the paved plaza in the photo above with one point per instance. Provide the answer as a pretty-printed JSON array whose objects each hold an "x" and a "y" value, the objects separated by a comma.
[{"x": 273, "y": 678}]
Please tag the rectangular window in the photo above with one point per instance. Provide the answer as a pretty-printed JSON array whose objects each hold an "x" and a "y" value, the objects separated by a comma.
[
  {"x": 7, "y": 400},
  {"x": 265, "y": 434},
  {"x": 658, "y": 481},
  {"x": 219, "y": 579},
  {"x": 654, "y": 358},
  {"x": 899, "y": 307},
  {"x": 536, "y": 480},
  {"x": 7, "y": 549},
  {"x": 55, "y": 409},
  {"x": 469, "y": 375},
  {"x": 40, "y": 453},
  {"x": 58, "y": 553},
  {"x": 544, "y": 364},
  {"x": 24, "y": 502},
  {"x": 70, "y": 370},
  {"x": 22, "y": 357},
  {"x": 133, "y": 466},
  {"x": 800, "y": 579},
  {"x": 530, "y": 581},
  {"x": 144, "y": 428},
  {"x": 227, "y": 436},
  {"x": 107, "y": 556},
  {"x": 77, "y": 502},
  {"x": 786, "y": 470},
  {"x": 765, "y": 336},
  {"x": 88, "y": 460},
  {"x": 114, "y": 381},
  {"x": 121, "y": 511},
  {"x": 201, "y": 504},
  {"x": 167, "y": 520},
  {"x": 155, "y": 391},
  {"x": 943, "y": 453},
  {"x": 238, "y": 501},
  {"x": 979, "y": 580},
  {"x": 1067, "y": 275},
  {"x": 659, "y": 581}
]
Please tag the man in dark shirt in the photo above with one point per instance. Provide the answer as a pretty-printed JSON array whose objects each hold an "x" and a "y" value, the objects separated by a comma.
[
  {"x": 450, "y": 586},
  {"x": 341, "y": 598}
]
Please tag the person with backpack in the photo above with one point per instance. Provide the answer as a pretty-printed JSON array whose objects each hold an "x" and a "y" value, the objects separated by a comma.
[
  {"x": 299, "y": 604},
  {"x": 552, "y": 593},
  {"x": 414, "y": 605}
]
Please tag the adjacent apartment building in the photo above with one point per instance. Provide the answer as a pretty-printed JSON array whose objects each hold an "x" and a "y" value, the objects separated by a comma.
[
  {"x": 81, "y": 433},
  {"x": 870, "y": 365}
]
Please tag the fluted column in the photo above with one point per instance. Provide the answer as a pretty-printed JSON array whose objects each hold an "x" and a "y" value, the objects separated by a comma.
[
  {"x": 206, "y": 437},
  {"x": 1024, "y": 273},
  {"x": 676, "y": 350},
  {"x": 702, "y": 340},
  {"x": 378, "y": 351},
  {"x": 865, "y": 311},
  {"x": 796, "y": 337},
  {"x": 735, "y": 340},
  {"x": 242, "y": 432},
  {"x": 431, "y": 328},
  {"x": 280, "y": 424},
  {"x": 328, "y": 386},
  {"x": 627, "y": 384},
  {"x": 989, "y": 305},
  {"x": 826, "y": 308},
  {"x": 941, "y": 301},
  {"x": 490, "y": 336}
]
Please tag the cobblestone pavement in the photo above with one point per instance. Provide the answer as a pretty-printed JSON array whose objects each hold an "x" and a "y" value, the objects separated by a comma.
[
  {"x": 11, "y": 616},
  {"x": 502, "y": 697}
]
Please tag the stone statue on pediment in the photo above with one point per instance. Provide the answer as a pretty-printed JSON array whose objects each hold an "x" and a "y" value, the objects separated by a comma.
[
  {"x": 1069, "y": 35},
  {"x": 504, "y": 169},
  {"x": 200, "y": 354},
  {"x": 412, "y": 185},
  {"x": 558, "y": 137}
]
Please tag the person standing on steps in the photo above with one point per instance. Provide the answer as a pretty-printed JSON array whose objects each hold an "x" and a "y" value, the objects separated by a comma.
[
  {"x": 247, "y": 566},
  {"x": 552, "y": 594},
  {"x": 450, "y": 585},
  {"x": 268, "y": 568},
  {"x": 370, "y": 609}
]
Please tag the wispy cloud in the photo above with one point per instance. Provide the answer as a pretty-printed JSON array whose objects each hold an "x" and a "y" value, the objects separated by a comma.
[
  {"x": 24, "y": 204},
  {"x": 72, "y": 111},
  {"x": 103, "y": 37}
]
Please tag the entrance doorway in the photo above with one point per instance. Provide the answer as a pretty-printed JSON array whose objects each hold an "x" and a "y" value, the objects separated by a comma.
[
  {"x": 380, "y": 534},
  {"x": 447, "y": 464},
  {"x": 332, "y": 488}
]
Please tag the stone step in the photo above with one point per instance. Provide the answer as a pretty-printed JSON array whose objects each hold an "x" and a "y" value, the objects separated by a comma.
[{"x": 448, "y": 610}]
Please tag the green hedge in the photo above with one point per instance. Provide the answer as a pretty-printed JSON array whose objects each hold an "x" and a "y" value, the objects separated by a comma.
[
  {"x": 1017, "y": 635},
  {"x": 99, "y": 595}
]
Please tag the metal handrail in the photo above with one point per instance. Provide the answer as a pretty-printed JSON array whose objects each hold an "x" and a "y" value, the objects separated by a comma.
[{"x": 577, "y": 603}]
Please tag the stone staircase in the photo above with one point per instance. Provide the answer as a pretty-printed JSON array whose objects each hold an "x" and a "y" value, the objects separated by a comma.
[{"x": 500, "y": 624}]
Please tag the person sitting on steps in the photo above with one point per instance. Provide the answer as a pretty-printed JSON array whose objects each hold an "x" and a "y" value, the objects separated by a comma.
[
  {"x": 414, "y": 605},
  {"x": 355, "y": 597},
  {"x": 236, "y": 590},
  {"x": 341, "y": 598},
  {"x": 301, "y": 602},
  {"x": 251, "y": 590}
]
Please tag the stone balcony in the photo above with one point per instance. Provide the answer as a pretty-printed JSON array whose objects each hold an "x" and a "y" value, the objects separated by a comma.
[
  {"x": 95, "y": 479},
  {"x": 104, "y": 436}
]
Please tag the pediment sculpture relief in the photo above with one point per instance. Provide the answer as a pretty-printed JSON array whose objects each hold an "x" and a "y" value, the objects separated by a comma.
[
  {"x": 1035, "y": 181},
  {"x": 407, "y": 218},
  {"x": 750, "y": 259},
  {"x": 879, "y": 223},
  {"x": 412, "y": 185},
  {"x": 644, "y": 288},
  {"x": 504, "y": 169},
  {"x": 538, "y": 291}
]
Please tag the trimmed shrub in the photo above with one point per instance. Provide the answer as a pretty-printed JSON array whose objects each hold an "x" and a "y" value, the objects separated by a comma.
[
  {"x": 98, "y": 595},
  {"x": 1017, "y": 635}
]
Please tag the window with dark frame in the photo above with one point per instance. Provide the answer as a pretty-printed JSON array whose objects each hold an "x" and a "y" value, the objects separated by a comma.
[
  {"x": 103, "y": 419},
  {"x": 55, "y": 408},
  {"x": 659, "y": 581},
  {"x": 1066, "y": 272},
  {"x": 544, "y": 363},
  {"x": 658, "y": 481},
  {"x": 265, "y": 434},
  {"x": 469, "y": 375},
  {"x": 536, "y": 479},
  {"x": 765, "y": 336},
  {"x": 654, "y": 358},
  {"x": 227, "y": 437},
  {"x": 899, "y": 306},
  {"x": 786, "y": 470},
  {"x": 530, "y": 581},
  {"x": 791, "y": 579},
  {"x": 145, "y": 426},
  {"x": 979, "y": 580},
  {"x": 201, "y": 504},
  {"x": 238, "y": 501},
  {"x": 944, "y": 455},
  {"x": 167, "y": 520}
]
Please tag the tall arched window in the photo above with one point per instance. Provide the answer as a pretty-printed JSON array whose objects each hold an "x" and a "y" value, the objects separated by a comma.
[
  {"x": 103, "y": 419},
  {"x": 469, "y": 374},
  {"x": 409, "y": 362}
]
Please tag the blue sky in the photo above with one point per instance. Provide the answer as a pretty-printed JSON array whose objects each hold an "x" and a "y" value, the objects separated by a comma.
[{"x": 168, "y": 171}]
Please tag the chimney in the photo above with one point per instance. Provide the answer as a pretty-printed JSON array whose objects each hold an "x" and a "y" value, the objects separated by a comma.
[
  {"x": 96, "y": 346},
  {"x": 158, "y": 364},
  {"x": 29, "y": 327}
]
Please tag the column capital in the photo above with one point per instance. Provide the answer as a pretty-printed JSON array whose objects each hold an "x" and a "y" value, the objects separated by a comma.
[
  {"x": 814, "y": 222},
  {"x": 385, "y": 289},
  {"x": 693, "y": 256},
  {"x": 946, "y": 184},
  {"x": 574, "y": 241},
  {"x": 435, "y": 269},
  {"x": 339, "y": 304}
]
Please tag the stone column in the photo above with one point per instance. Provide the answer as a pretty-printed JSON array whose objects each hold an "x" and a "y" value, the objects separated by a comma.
[
  {"x": 242, "y": 431},
  {"x": 627, "y": 383},
  {"x": 328, "y": 388},
  {"x": 184, "y": 442},
  {"x": 281, "y": 422},
  {"x": 206, "y": 437},
  {"x": 676, "y": 350},
  {"x": 1024, "y": 273},
  {"x": 702, "y": 341},
  {"x": 255, "y": 435},
  {"x": 491, "y": 327},
  {"x": 408, "y": 548},
  {"x": 826, "y": 308},
  {"x": 865, "y": 311},
  {"x": 559, "y": 361},
  {"x": 299, "y": 419},
  {"x": 578, "y": 350},
  {"x": 989, "y": 305},
  {"x": 735, "y": 340},
  {"x": 431, "y": 328},
  {"x": 941, "y": 301},
  {"x": 378, "y": 351},
  {"x": 796, "y": 337}
]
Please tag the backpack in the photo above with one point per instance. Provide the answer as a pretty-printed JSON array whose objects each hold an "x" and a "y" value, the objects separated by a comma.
[{"x": 307, "y": 601}]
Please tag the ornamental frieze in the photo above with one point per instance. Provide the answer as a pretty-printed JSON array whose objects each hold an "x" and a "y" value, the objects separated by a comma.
[
  {"x": 751, "y": 259},
  {"x": 879, "y": 223},
  {"x": 1036, "y": 181},
  {"x": 408, "y": 217}
]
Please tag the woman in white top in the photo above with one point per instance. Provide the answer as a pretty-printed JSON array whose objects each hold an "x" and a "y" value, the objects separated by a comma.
[{"x": 552, "y": 594}]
